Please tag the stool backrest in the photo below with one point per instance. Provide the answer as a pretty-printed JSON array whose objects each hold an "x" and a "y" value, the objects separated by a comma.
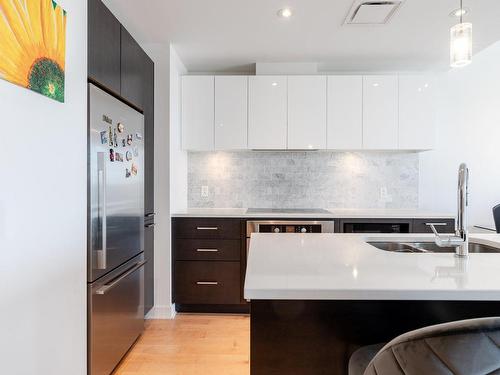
[
  {"x": 496, "y": 217},
  {"x": 467, "y": 347}
]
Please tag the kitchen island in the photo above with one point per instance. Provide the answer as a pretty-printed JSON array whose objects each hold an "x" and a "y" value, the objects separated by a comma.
[{"x": 316, "y": 298}]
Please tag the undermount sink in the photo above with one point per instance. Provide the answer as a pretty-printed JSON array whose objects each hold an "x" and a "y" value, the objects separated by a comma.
[{"x": 430, "y": 247}]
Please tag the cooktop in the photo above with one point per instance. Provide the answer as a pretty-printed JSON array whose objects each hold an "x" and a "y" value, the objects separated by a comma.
[{"x": 287, "y": 211}]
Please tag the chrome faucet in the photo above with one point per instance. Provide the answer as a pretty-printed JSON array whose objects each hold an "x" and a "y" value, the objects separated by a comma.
[{"x": 461, "y": 237}]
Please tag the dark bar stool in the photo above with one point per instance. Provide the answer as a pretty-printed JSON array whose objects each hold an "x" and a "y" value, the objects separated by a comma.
[
  {"x": 496, "y": 217},
  {"x": 466, "y": 347}
]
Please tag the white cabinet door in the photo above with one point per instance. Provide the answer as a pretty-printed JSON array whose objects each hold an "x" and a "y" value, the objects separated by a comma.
[
  {"x": 416, "y": 115},
  {"x": 306, "y": 112},
  {"x": 231, "y": 116},
  {"x": 380, "y": 112},
  {"x": 345, "y": 113},
  {"x": 198, "y": 112},
  {"x": 267, "y": 112}
]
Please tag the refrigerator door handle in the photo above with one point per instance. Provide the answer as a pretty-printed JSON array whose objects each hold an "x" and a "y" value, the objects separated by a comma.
[
  {"x": 103, "y": 289},
  {"x": 101, "y": 209}
]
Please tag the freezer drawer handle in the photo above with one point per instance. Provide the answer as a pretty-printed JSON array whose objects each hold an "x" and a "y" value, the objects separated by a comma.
[
  {"x": 209, "y": 283},
  {"x": 207, "y": 228},
  {"x": 101, "y": 207},
  {"x": 207, "y": 250},
  {"x": 104, "y": 289}
]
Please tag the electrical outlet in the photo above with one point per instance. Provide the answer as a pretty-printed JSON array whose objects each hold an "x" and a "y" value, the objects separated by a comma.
[
  {"x": 204, "y": 191},
  {"x": 384, "y": 195}
]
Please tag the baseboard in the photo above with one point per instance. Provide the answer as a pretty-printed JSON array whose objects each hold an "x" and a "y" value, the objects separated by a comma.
[
  {"x": 216, "y": 309},
  {"x": 162, "y": 312}
]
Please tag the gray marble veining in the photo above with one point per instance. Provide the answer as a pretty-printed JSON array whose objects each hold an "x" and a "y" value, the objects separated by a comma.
[{"x": 303, "y": 179}]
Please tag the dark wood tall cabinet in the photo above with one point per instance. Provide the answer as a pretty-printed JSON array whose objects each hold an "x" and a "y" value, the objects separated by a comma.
[
  {"x": 149, "y": 196},
  {"x": 104, "y": 55},
  {"x": 118, "y": 65},
  {"x": 133, "y": 62}
]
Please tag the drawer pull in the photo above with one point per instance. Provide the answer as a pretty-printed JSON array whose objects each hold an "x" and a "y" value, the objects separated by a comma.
[
  {"x": 207, "y": 228},
  {"x": 207, "y": 250},
  {"x": 211, "y": 283},
  {"x": 436, "y": 224}
]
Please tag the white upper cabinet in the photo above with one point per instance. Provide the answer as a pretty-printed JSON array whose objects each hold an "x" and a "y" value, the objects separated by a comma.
[
  {"x": 345, "y": 113},
  {"x": 267, "y": 112},
  {"x": 380, "y": 112},
  {"x": 416, "y": 114},
  {"x": 198, "y": 112},
  {"x": 231, "y": 112},
  {"x": 306, "y": 112}
]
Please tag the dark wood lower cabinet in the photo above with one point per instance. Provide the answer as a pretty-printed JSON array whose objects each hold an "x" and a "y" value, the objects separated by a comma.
[
  {"x": 207, "y": 249},
  {"x": 318, "y": 337},
  {"x": 207, "y": 282},
  {"x": 209, "y": 260},
  {"x": 206, "y": 228}
]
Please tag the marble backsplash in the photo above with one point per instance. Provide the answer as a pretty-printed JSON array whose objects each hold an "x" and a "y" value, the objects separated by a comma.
[{"x": 303, "y": 179}]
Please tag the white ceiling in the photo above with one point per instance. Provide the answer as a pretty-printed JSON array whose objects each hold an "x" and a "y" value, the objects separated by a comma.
[{"x": 231, "y": 35}]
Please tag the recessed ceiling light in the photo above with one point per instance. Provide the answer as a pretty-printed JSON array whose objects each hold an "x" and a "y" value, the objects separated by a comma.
[
  {"x": 376, "y": 85},
  {"x": 459, "y": 12},
  {"x": 274, "y": 84},
  {"x": 285, "y": 13}
]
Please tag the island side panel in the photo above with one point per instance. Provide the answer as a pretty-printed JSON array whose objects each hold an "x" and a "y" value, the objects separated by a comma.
[{"x": 318, "y": 337}]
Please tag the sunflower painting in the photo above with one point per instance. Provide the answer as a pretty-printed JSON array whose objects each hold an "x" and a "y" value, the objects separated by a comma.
[{"x": 33, "y": 45}]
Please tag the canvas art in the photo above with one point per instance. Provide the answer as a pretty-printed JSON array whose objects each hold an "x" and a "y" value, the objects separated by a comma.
[{"x": 33, "y": 45}]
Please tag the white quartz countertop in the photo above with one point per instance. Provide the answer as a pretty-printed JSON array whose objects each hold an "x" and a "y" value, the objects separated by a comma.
[
  {"x": 332, "y": 214},
  {"x": 345, "y": 267}
]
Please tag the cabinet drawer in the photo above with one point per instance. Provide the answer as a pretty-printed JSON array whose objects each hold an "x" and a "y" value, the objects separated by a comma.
[
  {"x": 420, "y": 225},
  {"x": 207, "y": 282},
  {"x": 206, "y": 228},
  {"x": 203, "y": 249}
]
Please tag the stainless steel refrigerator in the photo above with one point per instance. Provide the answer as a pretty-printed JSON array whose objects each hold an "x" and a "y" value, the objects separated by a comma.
[{"x": 115, "y": 230}]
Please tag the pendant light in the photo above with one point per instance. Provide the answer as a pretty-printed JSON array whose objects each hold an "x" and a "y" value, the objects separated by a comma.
[{"x": 461, "y": 42}]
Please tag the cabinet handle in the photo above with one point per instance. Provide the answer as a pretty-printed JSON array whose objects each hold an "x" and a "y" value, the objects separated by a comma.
[
  {"x": 436, "y": 224},
  {"x": 149, "y": 225},
  {"x": 151, "y": 214},
  {"x": 207, "y": 250},
  {"x": 207, "y": 228},
  {"x": 102, "y": 290},
  {"x": 210, "y": 283},
  {"x": 101, "y": 210}
]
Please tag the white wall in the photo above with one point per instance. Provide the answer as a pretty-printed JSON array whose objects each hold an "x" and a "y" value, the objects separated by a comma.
[
  {"x": 468, "y": 131},
  {"x": 178, "y": 157},
  {"x": 43, "y": 219},
  {"x": 160, "y": 53}
]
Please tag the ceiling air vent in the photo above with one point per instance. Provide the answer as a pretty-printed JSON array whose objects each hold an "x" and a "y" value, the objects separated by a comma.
[{"x": 371, "y": 12}]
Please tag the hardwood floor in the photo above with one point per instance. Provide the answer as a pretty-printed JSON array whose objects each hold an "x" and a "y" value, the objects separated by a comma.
[{"x": 191, "y": 345}]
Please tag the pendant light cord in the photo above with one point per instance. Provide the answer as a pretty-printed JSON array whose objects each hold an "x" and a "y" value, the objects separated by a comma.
[{"x": 461, "y": 11}]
